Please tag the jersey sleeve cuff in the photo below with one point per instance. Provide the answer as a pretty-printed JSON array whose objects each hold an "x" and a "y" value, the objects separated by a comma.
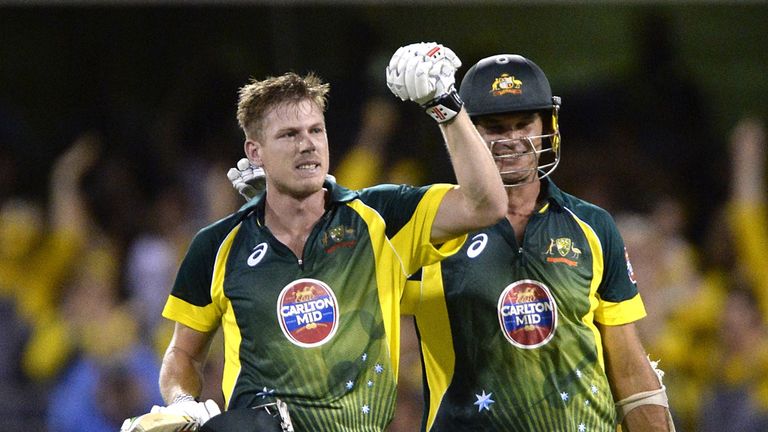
[
  {"x": 627, "y": 311},
  {"x": 201, "y": 318}
]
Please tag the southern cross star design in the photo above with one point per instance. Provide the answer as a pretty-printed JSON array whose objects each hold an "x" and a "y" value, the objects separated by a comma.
[
  {"x": 366, "y": 409},
  {"x": 265, "y": 392},
  {"x": 350, "y": 384},
  {"x": 564, "y": 396},
  {"x": 378, "y": 368},
  {"x": 484, "y": 401}
]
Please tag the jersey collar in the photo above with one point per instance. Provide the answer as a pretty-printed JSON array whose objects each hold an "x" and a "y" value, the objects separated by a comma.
[
  {"x": 552, "y": 193},
  {"x": 338, "y": 194}
]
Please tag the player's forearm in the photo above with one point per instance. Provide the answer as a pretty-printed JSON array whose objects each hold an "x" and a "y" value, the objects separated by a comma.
[
  {"x": 476, "y": 173},
  {"x": 180, "y": 374},
  {"x": 632, "y": 377},
  {"x": 646, "y": 418}
]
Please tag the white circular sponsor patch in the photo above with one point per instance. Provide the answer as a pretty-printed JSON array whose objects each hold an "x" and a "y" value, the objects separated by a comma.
[
  {"x": 527, "y": 314},
  {"x": 308, "y": 312}
]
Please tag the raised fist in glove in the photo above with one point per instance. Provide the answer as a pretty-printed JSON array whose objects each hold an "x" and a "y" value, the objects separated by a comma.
[
  {"x": 425, "y": 73},
  {"x": 186, "y": 405},
  {"x": 250, "y": 180}
]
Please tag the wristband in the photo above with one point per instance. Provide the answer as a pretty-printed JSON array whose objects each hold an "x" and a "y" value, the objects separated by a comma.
[{"x": 445, "y": 107}]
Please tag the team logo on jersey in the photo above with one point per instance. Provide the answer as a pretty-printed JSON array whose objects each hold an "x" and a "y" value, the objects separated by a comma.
[
  {"x": 506, "y": 84},
  {"x": 527, "y": 314},
  {"x": 630, "y": 269},
  {"x": 308, "y": 312},
  {"x": 338, "y": 236},
  {"x": 562, "y": 250}
]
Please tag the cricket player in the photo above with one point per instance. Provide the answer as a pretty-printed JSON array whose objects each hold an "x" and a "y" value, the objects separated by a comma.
[
  {"x": 541, "y": 306},
  {"x": 306, "y": 280}
]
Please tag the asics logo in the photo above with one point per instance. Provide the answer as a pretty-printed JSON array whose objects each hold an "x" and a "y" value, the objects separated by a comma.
[
  {"x": 478, "y": 245},
  {"x": 258, "y": 253}
]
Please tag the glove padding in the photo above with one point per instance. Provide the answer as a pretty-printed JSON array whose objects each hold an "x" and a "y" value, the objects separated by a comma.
[
  {"x": 198, "y": 411},
  {"x": 250, "y": 181},
  {"x": 422, "y": 72}
]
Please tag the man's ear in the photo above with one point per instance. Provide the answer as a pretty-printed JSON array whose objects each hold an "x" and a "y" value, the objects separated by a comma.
[{"x": 253, "y": 151}]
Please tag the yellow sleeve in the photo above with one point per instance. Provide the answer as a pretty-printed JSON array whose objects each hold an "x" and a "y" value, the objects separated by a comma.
[
  {"x": 201, "y": 318},
  {"x": 420, "y": 228},
  {"x": 610, "y": 313}
]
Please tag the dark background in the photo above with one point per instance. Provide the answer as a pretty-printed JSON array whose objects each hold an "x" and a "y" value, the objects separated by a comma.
[{"x": 163, "y": 79}]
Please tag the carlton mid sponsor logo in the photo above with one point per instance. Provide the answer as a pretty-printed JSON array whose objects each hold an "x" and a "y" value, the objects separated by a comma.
[
  {"x": 308, "y": 312},
  {"x": 527, "y": 314}
]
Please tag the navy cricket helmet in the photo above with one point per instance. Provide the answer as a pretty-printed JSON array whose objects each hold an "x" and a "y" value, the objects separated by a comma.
[{"x": 508, "y": 83}]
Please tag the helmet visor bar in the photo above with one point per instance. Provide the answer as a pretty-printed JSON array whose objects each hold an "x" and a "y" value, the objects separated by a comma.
[{"x": 519, "y": 158}]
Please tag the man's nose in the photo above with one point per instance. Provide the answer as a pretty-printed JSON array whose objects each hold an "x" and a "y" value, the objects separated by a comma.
[{"x": 306, "y": 143}]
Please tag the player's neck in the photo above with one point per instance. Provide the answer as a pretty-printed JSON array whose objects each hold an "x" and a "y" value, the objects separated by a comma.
[
  {"x": 291, "y": 220},
  {"x": 523, "y": 199},
  {"x": 285, "y": 213}
]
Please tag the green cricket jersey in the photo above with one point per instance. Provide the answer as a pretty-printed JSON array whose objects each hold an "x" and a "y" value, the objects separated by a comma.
[
  {"x": 321, "y": 331},
  {"x": 508, "y": 331}
]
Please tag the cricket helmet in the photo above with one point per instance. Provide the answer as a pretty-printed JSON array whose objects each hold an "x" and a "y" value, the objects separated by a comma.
[{"x": 509, "y": 83}]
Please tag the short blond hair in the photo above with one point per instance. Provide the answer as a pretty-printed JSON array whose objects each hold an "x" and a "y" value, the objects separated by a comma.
[{"x": 257, "y": 97}]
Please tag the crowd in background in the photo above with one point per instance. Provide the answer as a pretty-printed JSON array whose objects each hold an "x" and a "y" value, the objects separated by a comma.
[{"x": 85, "y": 268}]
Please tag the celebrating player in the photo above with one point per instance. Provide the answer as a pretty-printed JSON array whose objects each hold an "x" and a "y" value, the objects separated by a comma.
[
  {"x": 540, "y": 307},
  {"x": 306, "y": 280}
]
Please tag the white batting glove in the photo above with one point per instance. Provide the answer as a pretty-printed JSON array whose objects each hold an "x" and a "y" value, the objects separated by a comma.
[
  {"x": 250, "y": 180},
  {"x": 425, "y": 73},
  {"x": 186, "y": 405}
]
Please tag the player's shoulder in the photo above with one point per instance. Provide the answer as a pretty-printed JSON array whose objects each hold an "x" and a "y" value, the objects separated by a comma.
[
  {"x": 215, "y": 232},
  {"x": 382, "y": 195},
  {"x": 390, "y": 189},
  {"x": 580, "y": 207}
]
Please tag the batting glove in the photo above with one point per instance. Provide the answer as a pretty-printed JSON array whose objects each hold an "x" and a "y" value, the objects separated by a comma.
[
  {"x": 249, "y": 180},
  {"x": 186, "y": 405},
  {"x": 425, "y": 73}
]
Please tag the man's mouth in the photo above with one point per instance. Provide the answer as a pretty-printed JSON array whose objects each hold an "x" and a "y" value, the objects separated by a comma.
[{"x": 308, "y": 166}]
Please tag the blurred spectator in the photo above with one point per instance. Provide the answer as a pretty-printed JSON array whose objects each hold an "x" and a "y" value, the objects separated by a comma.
[
  {"x": 691, "y": 348},
  {"x": 90, "y": 347},
  {"x": 154, "y": 255},
  {"x": 111, "y": 380},
  {"x": 68, "y": 231},
  {"x": 38, "y": 250},
  {"x": 665, "y": 262},
  {"x": 738, "y": 399}
]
